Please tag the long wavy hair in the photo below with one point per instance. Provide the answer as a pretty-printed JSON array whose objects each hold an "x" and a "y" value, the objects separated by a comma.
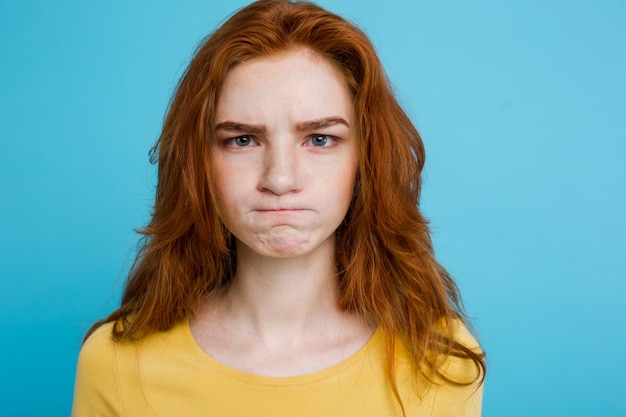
[{"x": 387, "y": 271}]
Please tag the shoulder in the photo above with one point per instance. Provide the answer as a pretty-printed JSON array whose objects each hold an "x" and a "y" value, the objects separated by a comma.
[
  {"x": 96, "y": 389},
  {"x": 98, "y": 355},
  {"x": 459, "y": 391},
  {"x": 98, "y": 351},
  {"x": 463, "y": 335},
  {"x": 111, "y": 375},
  {"x": 99, "y": 342},
  {"x": 458, "y": 367}
]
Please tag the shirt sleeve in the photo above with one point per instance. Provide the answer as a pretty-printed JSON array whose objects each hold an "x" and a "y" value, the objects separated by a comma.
[{"x": 97, "y": 388}]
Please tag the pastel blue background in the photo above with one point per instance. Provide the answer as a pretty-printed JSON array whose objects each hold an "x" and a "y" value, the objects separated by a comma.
[{"x": 522, "y": 106}]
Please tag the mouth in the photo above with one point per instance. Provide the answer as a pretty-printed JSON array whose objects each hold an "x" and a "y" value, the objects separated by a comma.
[{"x": 280, "y": 210}]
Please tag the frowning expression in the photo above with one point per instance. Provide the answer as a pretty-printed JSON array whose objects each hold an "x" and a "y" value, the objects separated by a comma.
[{"x": 285, "y": 156}]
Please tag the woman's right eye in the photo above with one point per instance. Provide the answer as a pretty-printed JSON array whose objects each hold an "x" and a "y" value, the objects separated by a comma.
[{"x": 241, "y": 141}]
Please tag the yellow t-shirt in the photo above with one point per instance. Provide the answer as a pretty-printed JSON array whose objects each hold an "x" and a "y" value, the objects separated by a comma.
[{"x": 168, "y": 374}]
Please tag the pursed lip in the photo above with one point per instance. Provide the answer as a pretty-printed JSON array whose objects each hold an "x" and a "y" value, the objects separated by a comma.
[
  {"x": 279, "y": 209},
  {"x": 283, "y": 209}
]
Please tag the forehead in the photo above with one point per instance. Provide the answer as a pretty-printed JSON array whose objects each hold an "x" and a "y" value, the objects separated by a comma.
[{"x": 298, "y": 82}]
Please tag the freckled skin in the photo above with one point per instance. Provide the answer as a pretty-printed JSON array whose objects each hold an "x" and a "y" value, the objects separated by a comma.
[{"x": 284, "y": 178}]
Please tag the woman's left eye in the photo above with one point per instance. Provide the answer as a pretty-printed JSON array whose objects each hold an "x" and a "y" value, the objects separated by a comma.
[{"x": 320, "y": 140}]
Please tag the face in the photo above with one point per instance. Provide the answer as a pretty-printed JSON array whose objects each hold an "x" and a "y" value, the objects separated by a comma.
[{"x": 285, "y": 156}]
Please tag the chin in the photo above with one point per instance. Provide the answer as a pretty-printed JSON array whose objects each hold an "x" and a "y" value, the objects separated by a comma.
[{"x": 285, "y": 248}]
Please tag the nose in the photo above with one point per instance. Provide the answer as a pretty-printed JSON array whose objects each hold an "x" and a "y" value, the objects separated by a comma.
[{"x": 280, "y": 170}]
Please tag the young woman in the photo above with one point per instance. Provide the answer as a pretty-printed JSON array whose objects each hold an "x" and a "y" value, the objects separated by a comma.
[{"x": 286, "y": 269}]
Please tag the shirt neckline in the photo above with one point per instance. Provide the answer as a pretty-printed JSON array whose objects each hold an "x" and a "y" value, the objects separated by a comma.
[{"x": 226, "y": 371}]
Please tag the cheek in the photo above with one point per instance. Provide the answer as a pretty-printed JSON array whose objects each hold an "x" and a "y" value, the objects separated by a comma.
[
  {"x": 352, "y": 184},
  {"x": 229, "y": 196},
  {"x": 225, "y": 191},
  {"x": 349, "y": 178},
  {"x": 227, "y": 176}
]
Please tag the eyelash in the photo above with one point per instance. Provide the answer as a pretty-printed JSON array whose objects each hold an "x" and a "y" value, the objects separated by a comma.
[
  {"x": 309, "y": 142},
  {"x": 332, "y": 139},
  {"x": 233, "y": 141}
]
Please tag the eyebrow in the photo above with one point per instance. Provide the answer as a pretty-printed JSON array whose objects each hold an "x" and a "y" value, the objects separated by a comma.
[
  {"x": 240, "y": 127},
  {"x": 320, "y": 123},
  {"x": 307, "y": 126}
]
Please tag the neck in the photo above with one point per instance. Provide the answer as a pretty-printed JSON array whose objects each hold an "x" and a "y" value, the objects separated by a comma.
[
  {"x": 284, "y": 295},
  {"x": 280, "y": 316}
]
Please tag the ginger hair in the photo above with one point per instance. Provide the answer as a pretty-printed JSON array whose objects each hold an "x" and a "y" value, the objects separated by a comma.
[{"x": 386, "y": 267}]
